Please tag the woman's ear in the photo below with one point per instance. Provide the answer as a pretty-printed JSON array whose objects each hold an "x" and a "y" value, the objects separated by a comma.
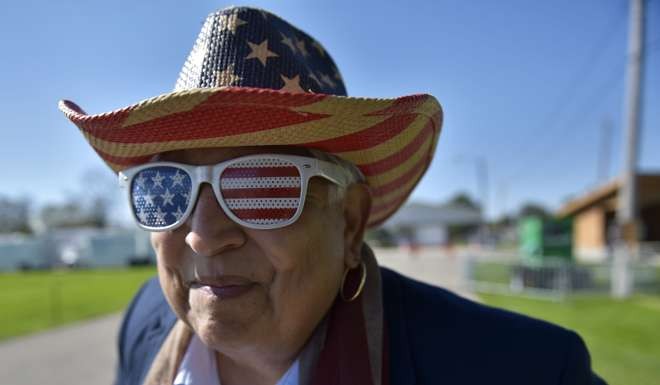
[{"x": 357, "y": 206}]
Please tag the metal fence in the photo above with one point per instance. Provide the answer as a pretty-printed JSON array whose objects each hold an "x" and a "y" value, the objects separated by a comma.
[
  {"x": 649, "y": 252},
  {"x": 554, "y": 278}
]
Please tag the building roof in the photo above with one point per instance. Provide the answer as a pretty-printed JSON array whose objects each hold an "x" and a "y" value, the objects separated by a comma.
[
  {"x": 417, "y": 214},
  {"x": 648, "y": 191}
]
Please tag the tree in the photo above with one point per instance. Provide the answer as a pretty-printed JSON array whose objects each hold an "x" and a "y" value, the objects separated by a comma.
[
  {"x": 100, "y": 194},
  {"x": 14, "y": 215},
  {"x": 69, "y": 214},
  {"x": 88, "y": 208},
  {"x": 463, "y": 199},
  {"x": 534, "y": 210}
]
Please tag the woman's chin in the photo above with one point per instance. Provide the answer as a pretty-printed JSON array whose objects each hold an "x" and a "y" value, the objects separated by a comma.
[{"x": 225, "y": 321}]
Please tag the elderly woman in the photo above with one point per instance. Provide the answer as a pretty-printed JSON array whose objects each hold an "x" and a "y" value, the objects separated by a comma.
[{"x": 257, "y": 177}]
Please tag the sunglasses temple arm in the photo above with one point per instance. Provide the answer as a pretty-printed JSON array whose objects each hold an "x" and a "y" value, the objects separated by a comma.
[
  {"x": 332, "y": 172},
  {"x": 122, "y": 179}
]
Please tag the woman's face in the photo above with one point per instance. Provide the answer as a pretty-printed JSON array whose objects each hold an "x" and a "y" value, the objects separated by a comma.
[{"x": 240, "y": 288}]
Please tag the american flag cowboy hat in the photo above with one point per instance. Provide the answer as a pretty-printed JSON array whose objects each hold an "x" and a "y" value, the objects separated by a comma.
[{"x": 253, "y": 79}]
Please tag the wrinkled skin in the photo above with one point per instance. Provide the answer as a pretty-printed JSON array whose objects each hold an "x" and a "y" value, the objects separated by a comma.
[{"x": 288, "y": 277}]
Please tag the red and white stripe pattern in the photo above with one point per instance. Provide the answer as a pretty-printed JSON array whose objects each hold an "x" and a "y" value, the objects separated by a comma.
[
  {"x": 252, "y": 79},
  {"x": 262, "y": 191},
  {"x": 392, "y": 141}
]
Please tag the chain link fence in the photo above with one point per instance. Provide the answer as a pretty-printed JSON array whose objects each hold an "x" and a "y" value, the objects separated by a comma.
[{"x": 554, "y": 278}]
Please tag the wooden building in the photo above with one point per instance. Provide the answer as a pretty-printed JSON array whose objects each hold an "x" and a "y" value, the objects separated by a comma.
[{"x": 594, "y": 217}]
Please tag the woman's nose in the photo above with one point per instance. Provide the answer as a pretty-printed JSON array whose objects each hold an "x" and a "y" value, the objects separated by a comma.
[{"x": 210, "y": 231}]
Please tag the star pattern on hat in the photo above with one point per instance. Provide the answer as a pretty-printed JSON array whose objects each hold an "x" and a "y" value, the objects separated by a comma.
[
  {"x": 288, "y": 42},
  {"x": 230, "y": 22},
  {"x": 318, "y": 47},
  {"x": 335, "y": 73},
  {"x": 226, "y": 53},
  {"x": 227, "y": 77},
  {"x": 291, "y": 84},
  {"x": 313, "y": 77},
  {"x": 327, "y": 80},
  {"x": 300, "y": 44},
  {"x": 260, "y": 51}
]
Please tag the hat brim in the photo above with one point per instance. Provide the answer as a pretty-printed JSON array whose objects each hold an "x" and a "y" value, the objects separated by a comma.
[{"x": 392, "y": 141}]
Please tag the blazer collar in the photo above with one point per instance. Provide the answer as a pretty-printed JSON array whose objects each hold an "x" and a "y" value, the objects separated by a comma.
[{"x": 400, "y": 355}]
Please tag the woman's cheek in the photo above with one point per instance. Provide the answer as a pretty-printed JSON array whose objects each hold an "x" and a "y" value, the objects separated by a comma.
[
  {"x": 168, "y": 245},
  {"x": 171, "y": 255}
]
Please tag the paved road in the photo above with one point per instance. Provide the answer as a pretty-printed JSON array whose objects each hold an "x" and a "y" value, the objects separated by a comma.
[
  {"x": 81, "y": 353},
  {"x": 431, "y": 265},
  {"x": 84, "y": 353}
]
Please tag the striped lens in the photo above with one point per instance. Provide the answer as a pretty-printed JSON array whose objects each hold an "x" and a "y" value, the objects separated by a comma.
[
  {"x": 160, "y": 195},
  {"x": 263, "y": 191}
]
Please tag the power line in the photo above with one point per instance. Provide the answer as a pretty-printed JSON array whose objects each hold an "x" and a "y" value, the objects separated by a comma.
[
  {"x": 593, "y": 102},
  {"x": 575, "y": 85},
  {"x": 599, "y": 95}
]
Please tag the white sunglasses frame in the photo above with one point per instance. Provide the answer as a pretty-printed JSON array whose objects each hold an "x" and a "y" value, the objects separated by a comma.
[{"x": 307, "y": 167}]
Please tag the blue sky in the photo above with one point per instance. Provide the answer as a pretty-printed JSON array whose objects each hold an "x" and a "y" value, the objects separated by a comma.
[{"x": 527, "y": 86}]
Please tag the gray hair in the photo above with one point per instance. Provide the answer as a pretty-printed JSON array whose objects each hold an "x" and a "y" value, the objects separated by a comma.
[{"x": 351, "y": 172}]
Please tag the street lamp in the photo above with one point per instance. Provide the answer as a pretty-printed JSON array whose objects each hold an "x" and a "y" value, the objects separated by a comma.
[{"x": 481, "y": 168}]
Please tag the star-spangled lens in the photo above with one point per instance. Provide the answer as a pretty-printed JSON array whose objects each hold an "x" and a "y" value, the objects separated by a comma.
[
  {"x": 261, "y": 191},
  {"x": 160, "y": 195}
]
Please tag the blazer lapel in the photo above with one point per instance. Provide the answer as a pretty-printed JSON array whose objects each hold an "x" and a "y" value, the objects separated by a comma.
[{"x": 400, "y": 357}]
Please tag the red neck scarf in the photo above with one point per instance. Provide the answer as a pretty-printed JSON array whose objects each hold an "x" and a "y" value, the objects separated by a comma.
[{"x": 345, "y": 358}]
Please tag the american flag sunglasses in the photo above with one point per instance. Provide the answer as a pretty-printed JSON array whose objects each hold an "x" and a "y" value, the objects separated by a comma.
[{"x": 264, "y": 191}]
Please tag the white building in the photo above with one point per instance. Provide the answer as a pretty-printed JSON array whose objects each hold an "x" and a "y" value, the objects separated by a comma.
[
  {"x": 428, "y": 225},
  {"x": 85, "y": 247}
]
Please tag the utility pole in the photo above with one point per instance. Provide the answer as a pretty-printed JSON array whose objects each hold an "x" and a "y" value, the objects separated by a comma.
[
  {"x": 481, "y": 168},
  {"x": 605, "y": 152},
  {"x": 627, "y": 211},
  {"x": 482, "y": 180},
  {"x": 502, "y": 196}
]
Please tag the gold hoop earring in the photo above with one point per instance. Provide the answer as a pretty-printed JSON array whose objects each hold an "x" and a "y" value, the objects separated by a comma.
[{"x": 363, "y": 279}]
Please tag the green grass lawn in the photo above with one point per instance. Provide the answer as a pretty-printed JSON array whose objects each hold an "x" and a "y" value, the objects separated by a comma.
[
  {"x": 35, "y": 301},
  {"x": 623, "y": 336}
]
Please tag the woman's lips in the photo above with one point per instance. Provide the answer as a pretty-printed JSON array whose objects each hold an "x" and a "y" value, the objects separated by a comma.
[
  {"x": 223, "y": 288},
  {"x": 226, "y": 292}
]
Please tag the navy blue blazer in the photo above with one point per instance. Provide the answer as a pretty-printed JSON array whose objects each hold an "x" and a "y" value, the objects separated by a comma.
[{"x": 435, "y": 337}]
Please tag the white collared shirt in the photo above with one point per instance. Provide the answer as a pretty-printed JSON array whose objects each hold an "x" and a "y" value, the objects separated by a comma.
[{"x": 198, "y": 367}]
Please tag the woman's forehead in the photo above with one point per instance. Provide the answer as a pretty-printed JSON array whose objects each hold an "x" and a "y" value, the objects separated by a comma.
[{"x": 213, "y": 155}]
